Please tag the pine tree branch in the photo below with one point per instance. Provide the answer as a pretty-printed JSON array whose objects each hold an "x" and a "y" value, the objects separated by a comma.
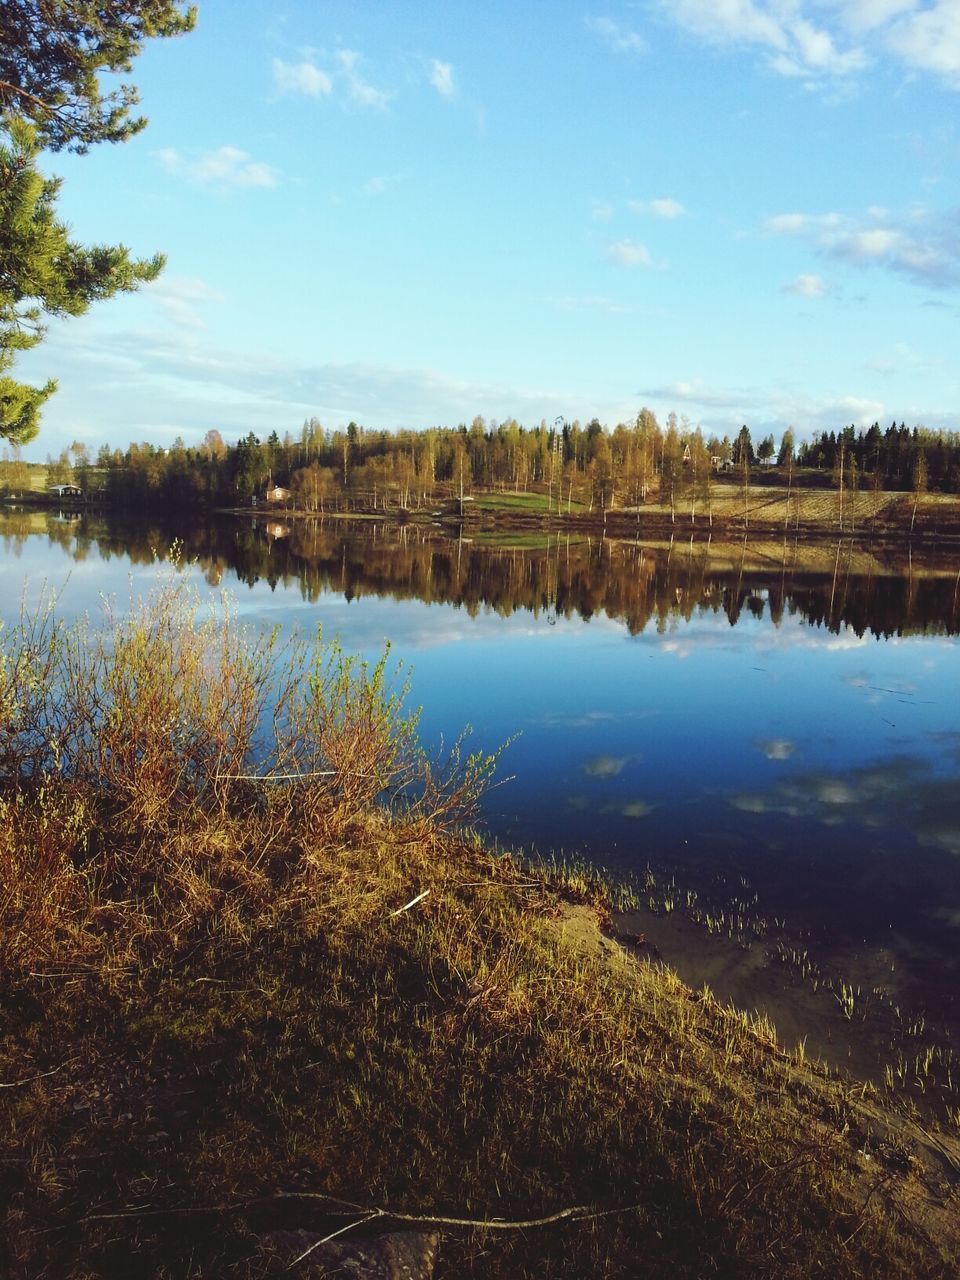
[{"x": 11, "y": 90}]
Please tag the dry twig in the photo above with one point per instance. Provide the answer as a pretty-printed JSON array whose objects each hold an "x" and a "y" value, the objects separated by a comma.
[{"x": 15, "y": 1084}]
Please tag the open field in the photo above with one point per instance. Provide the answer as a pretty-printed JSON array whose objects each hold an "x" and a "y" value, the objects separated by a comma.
[
  {"x": 774, "y": 507},
  {"x": 246, "y": 989},
  {"x": 27, "y": 478},
  {"x": 539, "y": 503},
  {"x": 767, "y": 509}
]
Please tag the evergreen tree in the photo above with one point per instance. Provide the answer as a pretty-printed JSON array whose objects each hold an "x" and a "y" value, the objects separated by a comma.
[
  {"x": 52, "y": 55},
  {"x": 44, "y": 272},
  {"x": 743, "y": 448}
]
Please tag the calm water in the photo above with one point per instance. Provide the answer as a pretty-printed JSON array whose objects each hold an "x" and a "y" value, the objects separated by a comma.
[{"x": 764, "y": 714}]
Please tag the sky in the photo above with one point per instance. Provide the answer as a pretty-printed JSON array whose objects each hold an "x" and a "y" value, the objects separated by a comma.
[{"x": 406, "y": 215}]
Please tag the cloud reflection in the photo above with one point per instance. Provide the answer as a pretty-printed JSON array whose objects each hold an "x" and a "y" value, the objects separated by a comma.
[
  {"x": 605, "y": 766},
  {"x": 588, "y": 720},
  {"x": 899, "y": 792},
  {"x": 776, "y": 748},
  {"x": 636, "y": 809}
]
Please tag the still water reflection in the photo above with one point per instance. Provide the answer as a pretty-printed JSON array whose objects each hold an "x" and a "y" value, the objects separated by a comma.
[{"x": 781, "y": 718}]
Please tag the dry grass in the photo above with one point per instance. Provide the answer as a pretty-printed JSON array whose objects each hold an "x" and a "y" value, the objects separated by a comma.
[
  {"x": 774, "y": 508},
  {"x": 214, "y": 1013}
]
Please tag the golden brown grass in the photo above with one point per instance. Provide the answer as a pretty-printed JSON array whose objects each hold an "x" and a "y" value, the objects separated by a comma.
[
  {"x": 774, "y": 508},
  {"x": 214, "y": 1012}
]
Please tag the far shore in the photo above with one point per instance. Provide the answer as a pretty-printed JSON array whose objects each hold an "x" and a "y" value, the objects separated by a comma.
[{"x": 768, "y": 509}]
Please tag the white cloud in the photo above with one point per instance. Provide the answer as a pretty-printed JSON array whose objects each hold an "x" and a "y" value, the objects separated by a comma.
[
  {"x": 361, "y": 93},
  {"x": 694, "y": 391},
  {"x": 662, "y": 207},
  {"x": 301, "y": 77},
  {"x": 807, "y": 286},
  {"x": 868, "y": 15},
  {"x": 140, "y": 377},
  {"x": 929, "y": 39},
  {"x": 225, "y": 167},
  {"x": 787, "y": 67},
  {"x": 830, "y": 39},
  {"x": 769, "y": 407},
  {"x": 818, "y": 52},
  {"x": 666, "y": 207},
  {"x": 626, "y": 253},
  {"x": 925, "y": 249},
  {"x": 728, "y": 21},
  {"x": 795, "y": 224},
  {"x": 789, "y": 224},
  {"x": 179, "y": 298},
  {"x": 620, "y": 39},
  {"x": 441, "y": 77},
  {"x": 878, "y": 242},
  {"x": 903, "y": 356}
]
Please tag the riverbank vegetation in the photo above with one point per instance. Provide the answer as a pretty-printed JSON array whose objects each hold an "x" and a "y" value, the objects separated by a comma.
[{"x": 256, "y": 974}]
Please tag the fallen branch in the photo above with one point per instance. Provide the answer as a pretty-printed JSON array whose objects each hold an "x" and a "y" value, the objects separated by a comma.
[
  {"x": 16, "y": 1084},
  {"x": 576, "y": 1213},
  {"x": 573, "y": 1213},
  {"x": 332, "y": 1236}
]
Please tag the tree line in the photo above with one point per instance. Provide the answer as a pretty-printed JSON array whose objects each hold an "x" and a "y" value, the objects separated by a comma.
[
  {"x": 898, "y": 458},
  {"x": 575, "y": 467}
]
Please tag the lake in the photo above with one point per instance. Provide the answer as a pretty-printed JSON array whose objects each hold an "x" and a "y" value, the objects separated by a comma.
[{"x": 775, "y": 728}]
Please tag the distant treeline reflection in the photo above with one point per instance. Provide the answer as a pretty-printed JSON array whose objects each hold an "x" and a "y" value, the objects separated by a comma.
[{"x": 639, "y": 584}]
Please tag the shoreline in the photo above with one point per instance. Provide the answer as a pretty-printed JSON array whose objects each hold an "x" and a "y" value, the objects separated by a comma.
[{"x": 891, "y": 518}]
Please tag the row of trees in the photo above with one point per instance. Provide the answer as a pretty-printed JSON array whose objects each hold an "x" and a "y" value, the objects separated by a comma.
[
  {"x": 575, "y": 467},
  {"x": 891, "y": 459}
]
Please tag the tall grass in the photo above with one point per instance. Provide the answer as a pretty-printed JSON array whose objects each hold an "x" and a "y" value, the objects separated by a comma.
[{"x": 168, "y": 758}]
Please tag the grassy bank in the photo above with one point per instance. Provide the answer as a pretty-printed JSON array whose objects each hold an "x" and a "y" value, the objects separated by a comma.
[
  {"x": 808, "y": 508},
  {"x": 254, "y": 975},
  {"x": 767, "y": 510},
  {"x": 809, "y": 512}
]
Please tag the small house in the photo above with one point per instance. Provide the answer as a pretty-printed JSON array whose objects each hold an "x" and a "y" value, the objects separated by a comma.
[
  {"x": 66, "y": 490},
  {"x": 277, "y": 494}
]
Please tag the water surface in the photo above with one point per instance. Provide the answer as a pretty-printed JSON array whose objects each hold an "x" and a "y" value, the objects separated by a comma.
[{"x": 785, "y": 721}]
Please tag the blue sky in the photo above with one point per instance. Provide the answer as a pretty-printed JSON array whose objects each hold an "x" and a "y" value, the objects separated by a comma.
[{"x": 407, "y": 215}]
